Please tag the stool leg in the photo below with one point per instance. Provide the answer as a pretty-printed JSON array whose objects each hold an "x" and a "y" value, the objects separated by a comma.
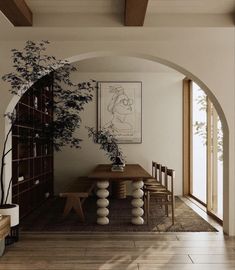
[
  {"x": 78, "y": 208},
  {"x": 68, "y": 206}
]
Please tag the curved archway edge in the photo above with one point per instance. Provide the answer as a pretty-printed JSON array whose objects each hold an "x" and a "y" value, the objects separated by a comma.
[{"x": 188, "y": 74}]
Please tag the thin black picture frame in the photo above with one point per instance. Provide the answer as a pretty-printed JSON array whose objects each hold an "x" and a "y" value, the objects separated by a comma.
[{"x": 99, "y": 99}]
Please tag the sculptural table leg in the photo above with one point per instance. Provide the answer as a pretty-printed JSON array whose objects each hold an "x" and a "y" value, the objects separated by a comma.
[
  {"x": 102, "y": 202},
  {"x": 137, "y": 203}
]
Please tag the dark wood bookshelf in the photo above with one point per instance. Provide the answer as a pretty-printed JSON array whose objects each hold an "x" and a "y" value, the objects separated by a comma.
[{"x": 32, "y": 147}]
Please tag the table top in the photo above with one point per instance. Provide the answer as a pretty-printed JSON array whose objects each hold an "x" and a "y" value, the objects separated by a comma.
[{"x": 133, "y": 172}]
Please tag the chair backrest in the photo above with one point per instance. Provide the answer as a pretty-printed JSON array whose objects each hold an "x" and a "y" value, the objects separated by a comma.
[
  {"x": 157, "y": 172},
  {"x": 162, "y": 175},
  {"x": 154, "y": 169},
  {"x": 171, "y": 176}
]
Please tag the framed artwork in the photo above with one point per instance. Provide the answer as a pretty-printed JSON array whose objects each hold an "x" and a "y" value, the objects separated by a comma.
[{"x": 120, "y": 110}]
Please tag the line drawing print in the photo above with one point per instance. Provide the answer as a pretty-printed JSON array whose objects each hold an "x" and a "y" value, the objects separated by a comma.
[
  {"x": 120, "y": 106},
  {"x": 120, "y": 109}
]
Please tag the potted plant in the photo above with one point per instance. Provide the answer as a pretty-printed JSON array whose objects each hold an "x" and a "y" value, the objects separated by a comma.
[
  {"x": 6, "y": 208},
  {"x": 108, "y": 143},
  {"x": 31, "y": 64}
]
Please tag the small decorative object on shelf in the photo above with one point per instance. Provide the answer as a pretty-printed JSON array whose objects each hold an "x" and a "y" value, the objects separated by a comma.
[
  {"x": 20, "y": 178},
  {"x": 36, "y": 102},
  {"x": 46, "y": 149},
  {"x": 37, "y": 182},
  {"x": 34, "y": 149},
  {"x": 108, "y": 143}
]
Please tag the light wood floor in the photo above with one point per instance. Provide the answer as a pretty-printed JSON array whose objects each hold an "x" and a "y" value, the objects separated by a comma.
[
  {"x": 120, "y": 251},
  {"x": 137, "y": 251}
]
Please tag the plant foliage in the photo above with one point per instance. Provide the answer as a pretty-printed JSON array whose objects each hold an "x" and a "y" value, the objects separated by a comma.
[
  {"x": 30, "y": 65},
  {"x": 200, "y": 127},
  {"x": 108, "y": 143}
]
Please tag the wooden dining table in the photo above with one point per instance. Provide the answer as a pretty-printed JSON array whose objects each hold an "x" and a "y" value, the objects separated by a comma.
[{"x": 103, "y": 175}]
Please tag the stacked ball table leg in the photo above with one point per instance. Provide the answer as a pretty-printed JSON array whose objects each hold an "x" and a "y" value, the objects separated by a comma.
[
  {"x": 102, "y": 202},
  {"x": 137, "y": 203}
]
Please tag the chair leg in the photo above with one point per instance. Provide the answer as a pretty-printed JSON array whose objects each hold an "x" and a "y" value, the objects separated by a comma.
[
  {"x": 166, "y": 206},
  {"x": 145, "y": 206},
  {"x": 148, "y": 206},
  {"x": 172, "y": 209}
]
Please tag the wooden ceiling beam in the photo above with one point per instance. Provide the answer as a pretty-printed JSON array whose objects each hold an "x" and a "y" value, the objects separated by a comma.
[
  {"x": 135, "y": 11},
  {"x": 17, "y": 12}
]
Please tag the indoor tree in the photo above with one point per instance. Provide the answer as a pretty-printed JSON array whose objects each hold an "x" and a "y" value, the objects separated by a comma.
[{"x": 32, "y": 63}]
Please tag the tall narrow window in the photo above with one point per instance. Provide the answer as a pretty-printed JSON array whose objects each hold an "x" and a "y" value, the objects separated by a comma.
[
  {"x": 205, "y": 150},
  {"x": 199, "y": 147},
  {"x": 215, "y": 163}
]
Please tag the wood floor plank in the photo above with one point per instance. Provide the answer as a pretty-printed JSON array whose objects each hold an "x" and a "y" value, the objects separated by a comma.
[
  {"x": 184, "y": 244},
  {"x": 102, "y": 237},
  {"x": 186, "y": 266},
  {"x": 43, "y": 253},
  {"x": 96, "y": 259},
  {"x": 159, "y": 250},
  {"x": 89, "y": 266},
  {"x": 207, "y": 251},
  {"x": 213, "y": 237},
  {"x": 210, "y": 259},
  {"x": 75, "y": 243}
]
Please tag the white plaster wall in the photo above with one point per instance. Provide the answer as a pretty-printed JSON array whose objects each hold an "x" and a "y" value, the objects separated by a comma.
[
  {"x": 207, "y": 54},
  {"x": 161, "y": 129}
]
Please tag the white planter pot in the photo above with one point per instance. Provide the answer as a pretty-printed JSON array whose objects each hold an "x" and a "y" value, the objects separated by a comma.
[{"x": 13, "y": 212}]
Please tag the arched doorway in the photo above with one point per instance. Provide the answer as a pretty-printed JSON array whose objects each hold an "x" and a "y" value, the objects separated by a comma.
[{"x": 188, "y": 75}]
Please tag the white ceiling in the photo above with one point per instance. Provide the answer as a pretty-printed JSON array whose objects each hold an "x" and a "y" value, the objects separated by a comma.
[
  {"x": 122, "y": 64},
  {"x": 117, "y": 6}
]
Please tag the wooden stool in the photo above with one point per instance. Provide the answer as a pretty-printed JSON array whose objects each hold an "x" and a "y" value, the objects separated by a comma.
[
  {"x": 76, "y": 195},
  {"x": 74, "y": 202}
]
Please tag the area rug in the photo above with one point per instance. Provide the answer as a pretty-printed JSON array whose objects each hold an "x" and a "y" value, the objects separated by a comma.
[{"x": 48, "y": 217}]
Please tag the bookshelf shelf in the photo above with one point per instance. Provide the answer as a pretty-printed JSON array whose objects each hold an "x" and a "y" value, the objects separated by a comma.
[{"x": 32, "y": 148}]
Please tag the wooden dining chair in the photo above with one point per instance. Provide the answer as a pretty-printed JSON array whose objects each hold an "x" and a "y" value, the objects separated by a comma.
[
  {"x": 156, "y": 175},
  {"x": 157, "y": 179},
  {"x": 163, "y": 193}
]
